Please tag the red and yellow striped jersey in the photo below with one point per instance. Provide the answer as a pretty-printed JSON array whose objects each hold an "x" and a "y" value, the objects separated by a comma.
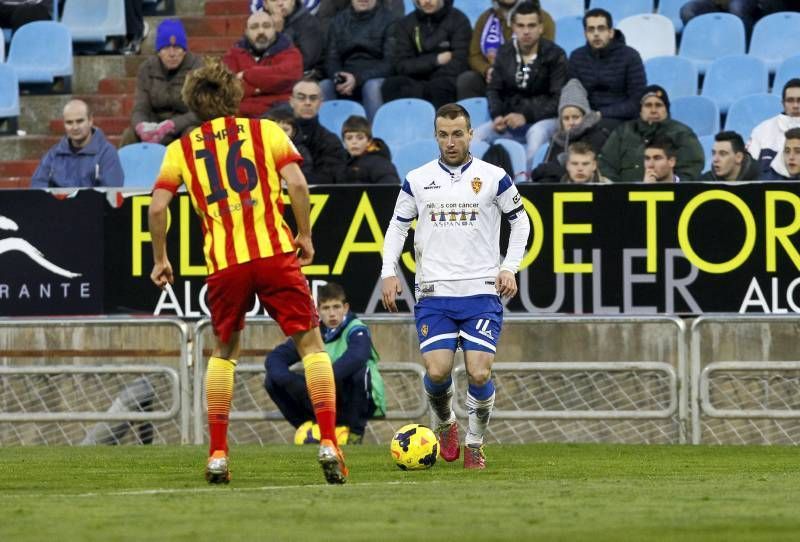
[{"x": 230, "y": 167}]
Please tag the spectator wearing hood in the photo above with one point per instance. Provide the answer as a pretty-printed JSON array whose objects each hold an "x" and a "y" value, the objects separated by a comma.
[
  {"x": 267, "y": 64},
  {"x": 611, "y": 72},
  {"x": 730, "y": 160},
  {"x": 431, "y": 46},
  {"x": 786, "y": 165},
  {"x": 577, "y": 124},
  {"x": 622, "y": 157},
  {"x": 766, "y": 139},
  {"x": 492, "y": 29},
  {"x": 159, "y": 112},
  {"x": 370, "y": 160},
  {"x": 295, "y": 21}
]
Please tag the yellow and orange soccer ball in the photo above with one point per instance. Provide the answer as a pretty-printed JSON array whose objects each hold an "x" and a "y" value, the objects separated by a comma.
[{"x": 414, "y": 447}]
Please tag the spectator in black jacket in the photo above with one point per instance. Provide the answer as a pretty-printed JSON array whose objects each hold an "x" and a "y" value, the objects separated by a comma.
[
  {"x": 611, "y": 72},
  {"x": 326, "y": 150},
  {"x": 730, "y": 160},
  {"x": 370, "y": 160},
  {"x": 529, "y": 72},
  {"x": 303, "y": 29},
  {"x": 284, "y": 117},
  {"x": 430, "y": 51},
  {"x": 357, "y": 58}
]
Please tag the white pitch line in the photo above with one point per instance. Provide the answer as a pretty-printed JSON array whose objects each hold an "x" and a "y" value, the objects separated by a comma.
[{"x": 191, "y": 490}]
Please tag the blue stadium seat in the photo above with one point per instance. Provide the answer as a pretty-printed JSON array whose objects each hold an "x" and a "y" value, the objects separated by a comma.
[
  {"x": 649, "y": 33},
  {"x": 42, "y": 61},
  {"x": 569, "y": 33},
  {"x": 733, "y": 76},
  {"x": 333, "y": 113},
  {"x": 471, "y": 8},
  {"x": 409, "y": 6},
  {"x": 3, "y": 47},
  {"x": 141, "y": 163},
  {"x": 619, "y": 9},
  {"x": 775, "y": 38},
  {"x": 678, "y": 75},
  {"x": 95, "y": 21},
  {"x": 478, "y": 148},
  {"x": 400, "y": 121},
  {"x": 707, "y": 142},
  {"x": 558, "y": 9},
  {"x": 413, "y": 155},
  {"x": 699, "y": 113},
  {"x": 9, "y": 100},
  {"x": 478, "y": 109},
  {"x": 789, "y": 69},
  {"x": 747, "y": 112},
  {"x": 541, "y": 152},
  {"x": 711, "y": 36},
  {"x": 672, "y": 10},
  {"x": 518, "y": 156}
]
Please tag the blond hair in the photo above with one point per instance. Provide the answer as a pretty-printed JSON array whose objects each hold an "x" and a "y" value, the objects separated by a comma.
[{"x": 212, "y": 91}]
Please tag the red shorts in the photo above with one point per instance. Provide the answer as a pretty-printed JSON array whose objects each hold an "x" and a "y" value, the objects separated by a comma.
[{"x": 280, "y": 285}]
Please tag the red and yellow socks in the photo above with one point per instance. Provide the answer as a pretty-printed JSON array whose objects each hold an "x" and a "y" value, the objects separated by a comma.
[
  {"x": 219, "y": 392},
  {"x": 322, "y": 391}
]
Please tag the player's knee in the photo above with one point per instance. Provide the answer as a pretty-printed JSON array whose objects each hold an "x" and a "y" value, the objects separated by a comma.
[
  {"x": 438, "y": 375},
  {"x": 480, "y": 375}
]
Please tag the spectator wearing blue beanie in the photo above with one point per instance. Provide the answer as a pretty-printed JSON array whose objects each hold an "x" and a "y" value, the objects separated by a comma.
[{"x": 159, "y": 114}]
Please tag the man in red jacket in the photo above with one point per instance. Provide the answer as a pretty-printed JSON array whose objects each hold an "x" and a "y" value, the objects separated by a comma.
[{"x": 267, "y": 64}]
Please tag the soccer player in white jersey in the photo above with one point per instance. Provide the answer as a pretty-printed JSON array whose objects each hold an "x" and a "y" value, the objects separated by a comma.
[{"x": 458, "y": 201}]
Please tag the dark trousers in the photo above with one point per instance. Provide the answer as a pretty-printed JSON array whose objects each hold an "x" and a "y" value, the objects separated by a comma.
[
  {"x": 471, "y": 84},
  {"x": 438, "y": 91},
  {"x": 749, "y": 11},
  {"x": 134, "y": 19},
  {"x": 288, "y": 391},
  {"x": 14, "y": 17}
]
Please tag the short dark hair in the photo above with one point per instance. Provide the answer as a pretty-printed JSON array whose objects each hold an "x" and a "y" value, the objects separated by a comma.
[
  {"x": 736, "y": 141},
  {"x": 792, "y": 133},
  {"x": 526, "y": 8},
  {"x": 598, "y": 12},
  {"x": 281, "y": 114},
  {"x": 580, "y": 147},
  {"x": 331, "y": 291},
  {"x": 664, "y": 143},
  {"x": 452, "y": 111},
  {"x": 791, "y": 83},
  {"x": 357, "y": 123}
]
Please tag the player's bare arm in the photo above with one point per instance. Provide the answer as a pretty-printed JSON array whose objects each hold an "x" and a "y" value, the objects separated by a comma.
[
  {"x": 391, "y": 289},
  {"x": 157, "y": 223},
  {"x": 506, "y": 284},
  {"x": 298, "y": 194}
]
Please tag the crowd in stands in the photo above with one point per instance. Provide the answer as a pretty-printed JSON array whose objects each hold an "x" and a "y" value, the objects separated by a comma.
[{"x": 588, "y": 115}]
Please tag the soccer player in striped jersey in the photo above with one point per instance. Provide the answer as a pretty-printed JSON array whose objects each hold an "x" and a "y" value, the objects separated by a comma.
[
  {"x": 232, "y": 168},
  {"x": 458, "y": 201}
]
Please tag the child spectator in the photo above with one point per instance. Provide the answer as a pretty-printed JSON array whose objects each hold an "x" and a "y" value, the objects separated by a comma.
[{"x": 370, "y": 160}]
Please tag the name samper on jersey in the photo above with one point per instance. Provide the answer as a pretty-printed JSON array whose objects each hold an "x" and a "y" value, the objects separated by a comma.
[{"x": 219, "y": 135}]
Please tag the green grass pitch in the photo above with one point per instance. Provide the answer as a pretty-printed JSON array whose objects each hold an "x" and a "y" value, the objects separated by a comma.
[{"x": 528, "y": 492}]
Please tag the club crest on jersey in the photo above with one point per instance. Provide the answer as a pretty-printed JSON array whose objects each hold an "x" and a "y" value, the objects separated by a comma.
[
  {"x": 424, "y": 330},
  {"x": 476, "y": 184}
]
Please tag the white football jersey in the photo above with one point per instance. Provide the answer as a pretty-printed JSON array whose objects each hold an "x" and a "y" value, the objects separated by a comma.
[{"x": 457, "y": 238}]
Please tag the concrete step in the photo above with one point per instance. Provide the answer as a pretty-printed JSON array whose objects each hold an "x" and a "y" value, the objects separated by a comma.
[
  {"x": 91, "y": 69},
  {"x": 109, "y": 105},
  {"x": 215, "y": 26},
  {"x": 18, "y": 168},
  {"x": 113, "y": 125},
  {"x": 33, "y": 147},
  {"x": 117, "y": 85},
  {"x": 214, "y": 45},
  {"x": 227, "y": 7},
  {"x": 15, "y": 182}
]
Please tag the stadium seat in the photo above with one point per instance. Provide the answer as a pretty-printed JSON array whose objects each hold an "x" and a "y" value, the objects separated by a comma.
[
  {"x": 3, "y": 47},
  {"x": 789, "y": 69},
  {"x": 400, "y": 121},
  {"x": 711, "y": 36},
  {"x": 619, "y": 9},
  {"x": 42, "y": 61},
  {"x": 563, "y": 8},
  {"x": 707, "y": 142},
  {"x": 569, "y": 33},
  {"x": 518, "y": 158},
  {"x": 538, "y": 158},
  {"x": 96, "y": 22},
  {"x": 651, "y": 34},
  {"x": 747, "y": 112},
  {"x": 672, "y": 10},
  {"x": 699, "y": 113},
  {"x": 333, "y": 113},
  {"x": 9, "y": 100},
  {"x": 141, "y": 163},
  {"x": 409, "y": 6},
  {"x": 471, "y": 8},
  {"x": 478, "y": 148},
  {"x": 678, "y": 75},
  {"x": 413, "y": 155},
  {"x": 478, "y": 109},
  {"x": 733, "y": 76},
  {"x": 775, "y": 38}
]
